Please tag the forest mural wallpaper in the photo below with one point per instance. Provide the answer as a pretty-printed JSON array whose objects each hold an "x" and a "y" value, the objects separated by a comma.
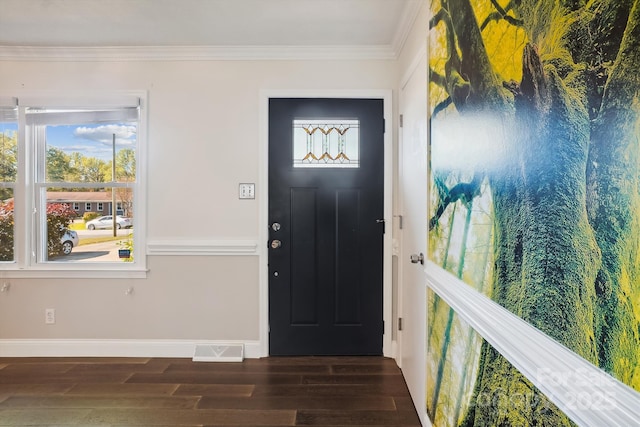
[
  {"x": 535, "y": 190},
  {"x": 452, "y": 363}
]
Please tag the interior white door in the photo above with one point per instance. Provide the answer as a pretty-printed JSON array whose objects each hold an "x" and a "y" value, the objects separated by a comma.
[{"x": 413, "y": 202}]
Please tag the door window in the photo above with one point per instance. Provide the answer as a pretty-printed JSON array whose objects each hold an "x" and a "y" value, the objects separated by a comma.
[{"x": 326, "y": 143}]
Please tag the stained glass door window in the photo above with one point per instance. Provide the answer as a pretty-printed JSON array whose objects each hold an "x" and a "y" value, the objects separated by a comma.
[{"x": 326, "y": 143}]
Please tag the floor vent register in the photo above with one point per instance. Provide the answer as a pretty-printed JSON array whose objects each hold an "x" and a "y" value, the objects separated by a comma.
[{"x": 219, "y": 353}]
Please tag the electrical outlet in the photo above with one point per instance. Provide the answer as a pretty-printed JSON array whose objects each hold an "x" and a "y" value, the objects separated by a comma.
[{"x": 50, "y": 316}]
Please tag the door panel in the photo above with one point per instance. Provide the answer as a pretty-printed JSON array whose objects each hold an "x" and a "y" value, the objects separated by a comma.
[
  {"x": 303, "y": 255},
  {"x": 325, "y": 277},
  {"x": 348, "y": 280}
]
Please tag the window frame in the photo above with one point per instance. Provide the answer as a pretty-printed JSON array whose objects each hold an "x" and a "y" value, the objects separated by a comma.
[
  {"x": 10, "y": 104},
  {"x": 29, "y": 228}
]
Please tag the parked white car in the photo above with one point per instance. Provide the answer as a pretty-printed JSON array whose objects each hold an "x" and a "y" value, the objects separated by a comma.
[
  {"x": 69, "y": 241},
  {"x": 106, "y": 221}
]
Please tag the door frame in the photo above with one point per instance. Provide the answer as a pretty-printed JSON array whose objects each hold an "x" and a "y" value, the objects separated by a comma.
[
  {"x": 262, "y": 194},
  {"x": 413, "y": 363}
]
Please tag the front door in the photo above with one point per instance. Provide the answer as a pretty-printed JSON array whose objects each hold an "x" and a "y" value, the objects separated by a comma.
[{"x": 326, "y": 181}]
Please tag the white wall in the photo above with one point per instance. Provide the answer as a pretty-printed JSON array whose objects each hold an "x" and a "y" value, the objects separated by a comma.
[{"x": 203, "y": 140}]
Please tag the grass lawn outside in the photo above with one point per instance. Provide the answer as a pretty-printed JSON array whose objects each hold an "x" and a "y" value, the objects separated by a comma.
[
  {"x": 100, "y": 239},
  {"x": 77, "y": 224}
]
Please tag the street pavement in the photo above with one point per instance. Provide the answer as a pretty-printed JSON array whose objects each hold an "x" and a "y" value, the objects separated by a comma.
[{"x": 96, "y": 252}]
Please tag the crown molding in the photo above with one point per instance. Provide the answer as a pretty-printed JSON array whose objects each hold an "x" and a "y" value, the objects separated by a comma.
[
  {"x": 409, "y": 16},
  {"x": 196, "y": 53}
]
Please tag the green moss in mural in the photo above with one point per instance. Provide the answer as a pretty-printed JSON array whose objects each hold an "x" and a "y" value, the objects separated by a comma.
[{"x": 535, "y": 117}]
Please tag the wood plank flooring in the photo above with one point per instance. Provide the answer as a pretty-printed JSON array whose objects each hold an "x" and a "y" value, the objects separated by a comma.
[{"x": 275, "y": 391}]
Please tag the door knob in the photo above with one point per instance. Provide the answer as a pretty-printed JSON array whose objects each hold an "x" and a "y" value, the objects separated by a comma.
[
  {"x": 417, "y": 258},
  {"x": 275, "y": 244}
]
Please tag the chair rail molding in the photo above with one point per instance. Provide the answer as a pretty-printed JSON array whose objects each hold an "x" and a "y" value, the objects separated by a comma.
[
  {"x": 585, "y": 393},
  {"x": 233, "y": 247}
]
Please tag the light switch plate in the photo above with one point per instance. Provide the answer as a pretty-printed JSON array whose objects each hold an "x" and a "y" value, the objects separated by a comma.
[{"x": 247, "y": 191}]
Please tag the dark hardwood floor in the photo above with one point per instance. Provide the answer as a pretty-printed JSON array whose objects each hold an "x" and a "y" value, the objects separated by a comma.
[{"x": 278, "y": 391}]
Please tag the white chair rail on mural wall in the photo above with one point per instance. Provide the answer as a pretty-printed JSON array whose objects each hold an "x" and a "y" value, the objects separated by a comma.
[{"x": 585, "y": 393}]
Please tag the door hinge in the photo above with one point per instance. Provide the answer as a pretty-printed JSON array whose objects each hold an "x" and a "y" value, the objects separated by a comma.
[
  {"x": 384, "y": 126},
  {"x": 383, "y": 222},
  {"x": 401, "y": 120},
  {"x": 399, "y": 323}
]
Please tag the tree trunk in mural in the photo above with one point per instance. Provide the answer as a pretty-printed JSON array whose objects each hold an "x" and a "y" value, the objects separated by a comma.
[
  {"x": 436, "y": 301},
  {"x": 615, "y": 209},
  {"x": 566, "y": 195},
  {"x": 447, "y": 330},
  {"x": 447, "y": 338}
]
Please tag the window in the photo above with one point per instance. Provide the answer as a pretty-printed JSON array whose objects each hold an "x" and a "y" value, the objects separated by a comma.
[{"x": 53, "y": 151}]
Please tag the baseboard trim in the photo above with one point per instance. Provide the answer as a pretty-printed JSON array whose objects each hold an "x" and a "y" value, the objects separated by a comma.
[{"x": 114, "y": 348}]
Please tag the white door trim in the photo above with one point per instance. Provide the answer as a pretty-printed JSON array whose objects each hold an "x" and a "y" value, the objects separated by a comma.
[
  {"x": 413, "y": 177},
  {"x": 262, "y": 193},
  {"x": 409, "y": 72}
]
